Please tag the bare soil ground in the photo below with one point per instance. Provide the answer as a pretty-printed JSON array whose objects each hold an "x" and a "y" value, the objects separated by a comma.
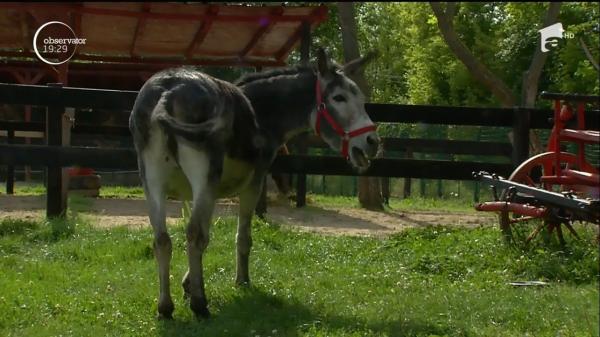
[{"x": 332, "y": 220}]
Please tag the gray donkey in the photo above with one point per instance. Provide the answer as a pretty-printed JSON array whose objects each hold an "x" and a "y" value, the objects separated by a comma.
[{"x": 205, "y": 139}]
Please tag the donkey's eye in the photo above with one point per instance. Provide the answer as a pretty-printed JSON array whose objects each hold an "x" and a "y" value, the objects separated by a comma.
[{"x": 339, "y": 98}]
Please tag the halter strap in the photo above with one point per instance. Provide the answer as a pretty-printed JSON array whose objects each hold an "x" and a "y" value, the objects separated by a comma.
[{"x": 322, "y": 111}]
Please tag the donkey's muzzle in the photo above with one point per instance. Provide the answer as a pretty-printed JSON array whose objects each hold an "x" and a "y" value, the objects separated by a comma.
[{"x": 373, "y": 145}]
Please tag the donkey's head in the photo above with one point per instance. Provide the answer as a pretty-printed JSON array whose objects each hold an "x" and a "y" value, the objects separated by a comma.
[{"x": 340, "y": 118}]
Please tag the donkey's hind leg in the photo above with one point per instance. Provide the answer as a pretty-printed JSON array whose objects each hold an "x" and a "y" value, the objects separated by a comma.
[
  {"x": 155, "y": 171},
  {"x": 248, "y": 199},
  {"x": 203, "y": 173}
]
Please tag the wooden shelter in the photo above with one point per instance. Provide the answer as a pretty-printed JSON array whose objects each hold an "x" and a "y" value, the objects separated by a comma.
[{"x": 128, "y": 41}]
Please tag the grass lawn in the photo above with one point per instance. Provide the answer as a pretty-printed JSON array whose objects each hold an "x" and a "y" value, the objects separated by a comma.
[
  {"x": 70, "y": 279},
  {"x": 319, "y": 200}
]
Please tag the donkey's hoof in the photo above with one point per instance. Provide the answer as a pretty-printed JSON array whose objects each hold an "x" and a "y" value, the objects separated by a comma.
[
  {"x": 165, "y": 311},
  {"x": 200, "y": 307},
  {"x": 164, "y": 317},
  {"x": 202, "y": 314}
]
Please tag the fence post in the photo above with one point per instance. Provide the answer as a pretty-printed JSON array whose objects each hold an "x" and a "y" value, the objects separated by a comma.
[
  {"x": 10, "y": 172},
  {"x": 521, "y": 125},
  {"x": 56, "y": 196},
  {"x": 302, "y": 139},
  {"x": 385, "y": 190}
]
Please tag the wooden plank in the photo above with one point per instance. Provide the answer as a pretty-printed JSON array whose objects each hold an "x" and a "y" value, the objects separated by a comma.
[
  {"x": 570, "y": 97},
  {"x": 39, "y": 155},
  {"x": 10, "y": 172},
  {"x": 56, "y": 194},
  {"x": 321, "y": 165},
  {"x": 140, "y": 27},
  {"x": 261, "y": 205},
  {"x": 86, "y": 129},
  {"x": 162, "y": 62},
  {"x": 68, "y": 96},
  {"x": 390, "y": 113},
  {"x": 431, "y": 146},
  {"x": 400, "y": 168},
  {"x": 241, "y": 17},
  {"x": 262, "y": 31},
  {"x": 202, "y": 31},
  {"x": 301, "y": 145},
  {"x": 521, "y": 126},
  {"x": 452, "y": 115}
]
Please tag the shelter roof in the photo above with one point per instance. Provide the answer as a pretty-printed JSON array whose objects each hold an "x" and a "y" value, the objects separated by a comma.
[{"x": 152, "y": 33}]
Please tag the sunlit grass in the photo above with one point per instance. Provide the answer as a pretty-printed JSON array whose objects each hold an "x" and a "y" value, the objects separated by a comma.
[
  {"x": 70, "y": 279},
  {"x": 122, "y": 192},
  {"x": 408, "y": 204}
]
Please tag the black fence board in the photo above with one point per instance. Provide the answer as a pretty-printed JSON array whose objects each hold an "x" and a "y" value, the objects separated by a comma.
[
  {"x": 322, "y": 165},
  {"x": 67, "y": 96}
]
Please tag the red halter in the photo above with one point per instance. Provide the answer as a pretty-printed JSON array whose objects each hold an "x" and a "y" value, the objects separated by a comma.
[{"x": 345, "y": 135}]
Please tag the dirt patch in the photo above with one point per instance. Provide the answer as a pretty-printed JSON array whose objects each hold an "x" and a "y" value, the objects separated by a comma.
[{"x": 333, "y": 220}]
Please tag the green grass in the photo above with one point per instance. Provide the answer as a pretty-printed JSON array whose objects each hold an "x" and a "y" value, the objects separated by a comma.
[
  {"x": 319, "y": 200},
  {"x": 30, "y": 189},
  {"x": 409, "y": 204},
  {"x": 122, "y": 192},
  {"x": 69, "y": 279}
]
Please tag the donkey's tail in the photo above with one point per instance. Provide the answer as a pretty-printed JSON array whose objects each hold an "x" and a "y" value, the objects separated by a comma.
[{"x": 194, "y": 132}]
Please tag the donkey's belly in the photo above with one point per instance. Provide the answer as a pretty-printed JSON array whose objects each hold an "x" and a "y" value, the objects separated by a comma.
[{"x": 236, "y": 175}]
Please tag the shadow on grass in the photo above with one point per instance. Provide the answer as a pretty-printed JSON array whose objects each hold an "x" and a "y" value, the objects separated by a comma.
[{"x": 254, "y": 312}]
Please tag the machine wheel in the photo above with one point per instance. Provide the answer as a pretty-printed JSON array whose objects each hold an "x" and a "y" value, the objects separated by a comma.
[{"x": 529, "y": 173}]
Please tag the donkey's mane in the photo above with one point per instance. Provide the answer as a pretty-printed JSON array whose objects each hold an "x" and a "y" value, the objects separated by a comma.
[{"x": 268, "y": 74}]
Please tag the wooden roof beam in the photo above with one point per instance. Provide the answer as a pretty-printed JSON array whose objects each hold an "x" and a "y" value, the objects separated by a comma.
[
  {"x": 172, "y": 61},
  {"x": 317, "y": 15},
  {"x": 211, "y": 12},
  {"x": 139, "y": 28},
  {"x": 262, "y": 31},
  {"x": 319, "y": 12}
]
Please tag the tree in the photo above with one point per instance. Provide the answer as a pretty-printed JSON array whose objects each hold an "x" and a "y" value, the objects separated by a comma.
[
  {"x": 369, "y": 188},
  {"x": 480, "y": 71}
]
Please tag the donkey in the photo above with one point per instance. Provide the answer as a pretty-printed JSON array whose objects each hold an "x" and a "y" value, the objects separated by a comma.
[{"x": 210, "y": 139}]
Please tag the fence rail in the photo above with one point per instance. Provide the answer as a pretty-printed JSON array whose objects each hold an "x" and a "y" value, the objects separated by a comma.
[{"x": 56, "y": 155}]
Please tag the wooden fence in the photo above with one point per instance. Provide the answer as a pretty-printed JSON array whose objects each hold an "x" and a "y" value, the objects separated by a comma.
[{"x": 56, "y": 155}]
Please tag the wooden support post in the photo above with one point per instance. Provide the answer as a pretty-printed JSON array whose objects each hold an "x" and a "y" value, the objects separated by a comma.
[
  {"x": 521, "y": 126},
  {"x": 261, "y": 206},
  {"x": 10, "y": 172},
  {"x": 385, "y": 190},
  {"x": 302, "y": 139},
  {"x": 407, "y": 180},
  {"x": 56, "y": 196}
]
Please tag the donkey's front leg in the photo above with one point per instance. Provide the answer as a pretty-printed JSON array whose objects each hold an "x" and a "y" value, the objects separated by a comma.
[{"x": 248, "y": 200}]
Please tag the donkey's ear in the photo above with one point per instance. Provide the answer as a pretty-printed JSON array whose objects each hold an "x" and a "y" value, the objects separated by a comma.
[
  {"x": 323, "y": 62},
  {"x": 353, "y": 66}
]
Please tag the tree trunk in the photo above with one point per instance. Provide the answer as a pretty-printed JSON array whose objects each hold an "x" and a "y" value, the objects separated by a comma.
[
  {"x": 482, "y": 74},
  {"x": 531, "y": 77},
  {"x": 477, "y": 69},
  {"x": 369, "y": 188}
]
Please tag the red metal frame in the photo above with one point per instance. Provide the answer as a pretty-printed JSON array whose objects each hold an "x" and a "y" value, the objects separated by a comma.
[
  {"x": 563, "y": 113},
  {"x": 553, "y": 161}
]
